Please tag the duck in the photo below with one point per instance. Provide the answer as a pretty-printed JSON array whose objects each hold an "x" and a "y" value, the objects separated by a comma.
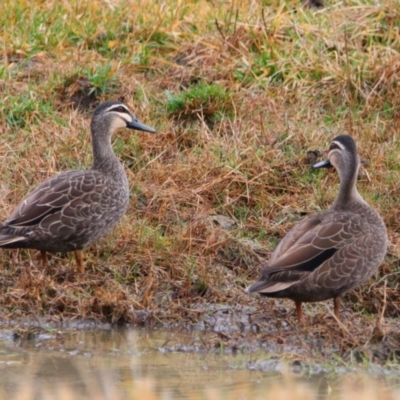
[
  {"x": 76, "y": 208},
  {"x": 328, "y": 252}
]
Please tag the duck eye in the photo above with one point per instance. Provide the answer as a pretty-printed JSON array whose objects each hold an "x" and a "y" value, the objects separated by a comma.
[
  {"x": 120, "y": 109},
  {"x": 334, "y": 146}
]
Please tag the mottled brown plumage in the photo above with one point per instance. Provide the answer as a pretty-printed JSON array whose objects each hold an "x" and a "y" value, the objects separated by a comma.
[
  {"x": 76, "y": 208},
  {"x": 330, "y": 252}
]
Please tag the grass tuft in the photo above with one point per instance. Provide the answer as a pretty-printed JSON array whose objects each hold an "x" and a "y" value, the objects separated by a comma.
[{"x": 209, "y": 101}]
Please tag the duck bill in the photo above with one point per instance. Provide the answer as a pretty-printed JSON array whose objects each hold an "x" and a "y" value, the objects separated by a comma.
[
  {"x": 323, "y": 164},
  {"x": 138, "y": 126}
]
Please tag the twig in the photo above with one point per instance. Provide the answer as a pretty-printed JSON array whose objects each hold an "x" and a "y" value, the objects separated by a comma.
[
  {"x": 343, "y": 327},
  {"x": 219, "y": 29},
  {"x": 379, "y": 322}
]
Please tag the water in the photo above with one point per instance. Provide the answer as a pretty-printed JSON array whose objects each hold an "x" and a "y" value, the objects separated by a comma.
[{"x": 138, "y": 363}]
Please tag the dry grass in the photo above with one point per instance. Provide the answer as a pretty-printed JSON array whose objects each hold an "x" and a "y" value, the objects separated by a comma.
[{"x": 242, "y": 95}]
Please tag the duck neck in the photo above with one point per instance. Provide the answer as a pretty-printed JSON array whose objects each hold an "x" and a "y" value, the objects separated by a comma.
[
  {"x": 348, "y": 192},
  {"x": 103, "y": 154}
]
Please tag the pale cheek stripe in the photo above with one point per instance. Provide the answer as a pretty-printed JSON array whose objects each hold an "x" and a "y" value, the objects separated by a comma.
[{"x": 118, "y": 123}]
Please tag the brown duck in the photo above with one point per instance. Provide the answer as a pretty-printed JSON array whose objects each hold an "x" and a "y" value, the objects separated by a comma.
[
  {"x": 330, "y": 252},
  {"x": 76, "y": 208}
]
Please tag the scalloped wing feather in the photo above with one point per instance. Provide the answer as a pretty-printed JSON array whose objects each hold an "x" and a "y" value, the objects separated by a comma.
[
  {"x": 323, "y": 246},
  {"x": 54, "y": 195}
]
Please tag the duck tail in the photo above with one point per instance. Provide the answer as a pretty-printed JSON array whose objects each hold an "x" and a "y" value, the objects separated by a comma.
[
  {"x": 263, "y": 286},
  {"x": 6, "y": 240}
]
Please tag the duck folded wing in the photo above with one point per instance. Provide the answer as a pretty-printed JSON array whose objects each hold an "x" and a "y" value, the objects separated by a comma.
[
  {"x": 55, "y": 197},
  {"x": 308, "y": 246}
]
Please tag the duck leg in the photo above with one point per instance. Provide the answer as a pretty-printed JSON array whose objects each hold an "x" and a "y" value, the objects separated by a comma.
[
  {"x": 79, "y": 261},
  {"x": 45, "y": 265},
  {"x": 43, "y": 257},
  {"x": 336, "y": 307},
  {"x": 299, "y": 312}
]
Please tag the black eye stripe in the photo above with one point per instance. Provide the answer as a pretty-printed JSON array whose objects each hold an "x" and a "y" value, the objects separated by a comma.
[
  {"x": 334, "y": 146},
  {"x": 120, "y": 109}
]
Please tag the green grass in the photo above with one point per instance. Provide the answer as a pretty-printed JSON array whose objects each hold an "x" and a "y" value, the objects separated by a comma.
[
  {"x": 26, "y": 109},
  {"x": 212, "y": 101}
]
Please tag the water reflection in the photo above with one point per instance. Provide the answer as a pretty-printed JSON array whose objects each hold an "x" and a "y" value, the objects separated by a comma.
[{"x": 125, "y": 363}]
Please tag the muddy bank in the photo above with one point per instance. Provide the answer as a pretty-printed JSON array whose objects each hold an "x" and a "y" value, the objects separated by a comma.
[
  {"x": 262, "y": 329},
  {"x": 34, "y": 302}
]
